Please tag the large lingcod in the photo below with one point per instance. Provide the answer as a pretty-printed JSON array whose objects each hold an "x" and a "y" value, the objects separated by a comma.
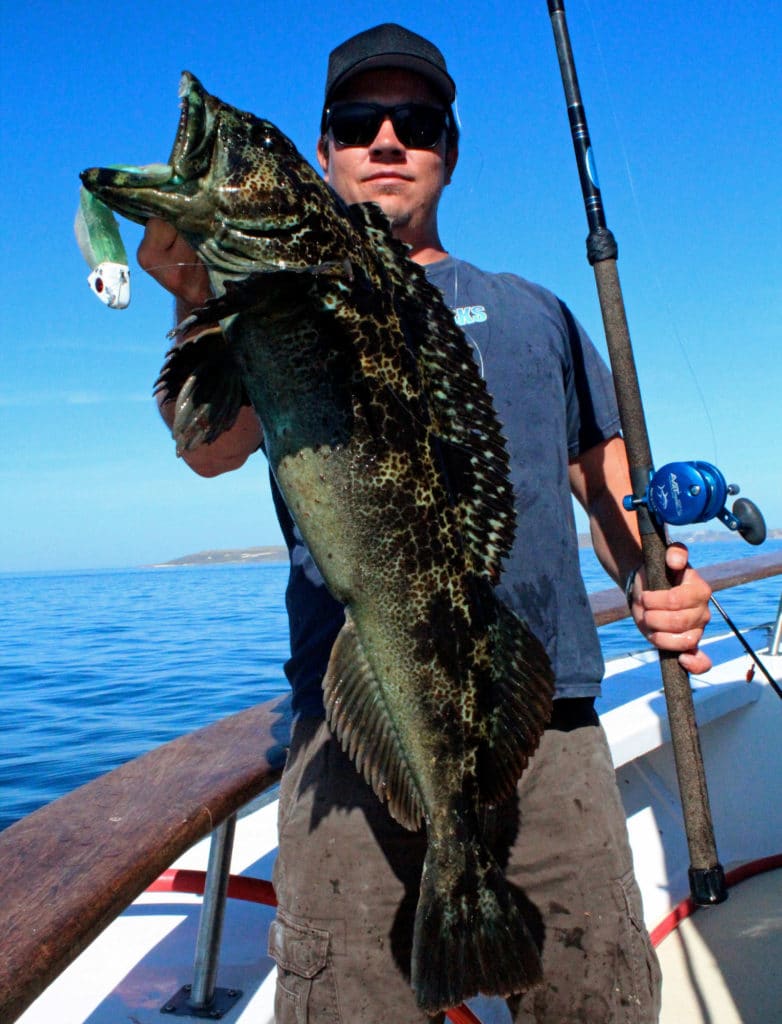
[{"x": 385, "y": 445}]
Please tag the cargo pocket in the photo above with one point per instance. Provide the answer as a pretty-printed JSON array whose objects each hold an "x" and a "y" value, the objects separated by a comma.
[
  {"x": 638, "y": 972},
  {"x": 306, "y": 990}
]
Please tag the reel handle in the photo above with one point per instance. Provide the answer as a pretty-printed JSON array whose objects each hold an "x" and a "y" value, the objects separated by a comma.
[{"x": 752, "y": 525}]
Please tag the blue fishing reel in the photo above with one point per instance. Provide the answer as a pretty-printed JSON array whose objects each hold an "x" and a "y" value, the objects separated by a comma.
[{"x": 681, "y": 493}]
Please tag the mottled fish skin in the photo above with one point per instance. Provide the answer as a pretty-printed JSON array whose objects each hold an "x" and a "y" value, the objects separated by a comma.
[{"x": 384, "y": 442}]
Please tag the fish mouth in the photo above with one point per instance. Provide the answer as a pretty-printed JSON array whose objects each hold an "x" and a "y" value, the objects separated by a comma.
[
  {"x": 191, "y": 153},
  {"x": 139, "y": 193}
]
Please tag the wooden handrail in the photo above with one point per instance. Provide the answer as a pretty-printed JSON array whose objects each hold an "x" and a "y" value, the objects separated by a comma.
[
  {"x": 69, "y": 869},
  {"x": 610, "y": 605}
]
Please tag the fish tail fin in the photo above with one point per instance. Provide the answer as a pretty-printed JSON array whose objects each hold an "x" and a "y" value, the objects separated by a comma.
[{"x": 470, "y": 935}]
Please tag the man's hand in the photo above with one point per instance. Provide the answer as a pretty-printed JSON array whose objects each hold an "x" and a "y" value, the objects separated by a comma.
[
  {"x": 168, "y": 258},
  {"x": 674, "y": 620}
]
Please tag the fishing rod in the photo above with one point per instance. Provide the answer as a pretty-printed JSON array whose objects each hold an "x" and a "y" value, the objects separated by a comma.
[{"x": 684, "y": 492}]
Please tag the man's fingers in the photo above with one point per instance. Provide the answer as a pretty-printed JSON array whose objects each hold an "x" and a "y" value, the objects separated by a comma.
[
  {"x": 697, "y": 662},
  {"x": 173, "y": 263}
]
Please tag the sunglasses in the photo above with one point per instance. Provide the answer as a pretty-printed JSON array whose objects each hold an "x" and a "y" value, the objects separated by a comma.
[{"x": 416, "y": 125}]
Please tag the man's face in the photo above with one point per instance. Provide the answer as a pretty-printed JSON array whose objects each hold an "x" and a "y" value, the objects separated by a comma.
[{"x": 405, "y": 183}]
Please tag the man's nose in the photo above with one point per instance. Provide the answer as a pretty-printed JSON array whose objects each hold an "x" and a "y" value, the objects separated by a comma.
[{"x": 386, "y": 138}]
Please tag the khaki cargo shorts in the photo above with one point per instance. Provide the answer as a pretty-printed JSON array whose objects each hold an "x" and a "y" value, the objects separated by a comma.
[{"x": 347, "y": 884}]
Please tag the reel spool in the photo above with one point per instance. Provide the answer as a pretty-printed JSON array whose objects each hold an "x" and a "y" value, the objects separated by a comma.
[{"x": 681, "y": 493}]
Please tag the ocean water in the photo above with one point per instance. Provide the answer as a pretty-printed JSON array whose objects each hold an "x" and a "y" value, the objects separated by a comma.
[{"x": 98, "y": 667}]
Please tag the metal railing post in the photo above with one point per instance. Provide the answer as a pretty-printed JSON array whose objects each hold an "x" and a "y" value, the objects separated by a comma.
[
  {"x": 210, "y": 925},
  {"x": 203, "y": 998}
]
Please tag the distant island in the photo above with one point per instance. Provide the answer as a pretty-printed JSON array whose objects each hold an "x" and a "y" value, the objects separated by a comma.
[
  {"x": 275, "y": 555},
  {"x": 690, "y": 535},
  {"x": 232, "y": 556}
]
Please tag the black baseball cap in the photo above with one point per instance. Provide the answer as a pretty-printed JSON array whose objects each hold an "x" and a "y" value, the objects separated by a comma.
[{"x": 388, "y": 46}]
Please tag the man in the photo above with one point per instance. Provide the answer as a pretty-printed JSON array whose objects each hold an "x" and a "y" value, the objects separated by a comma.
[{"x": 347, "y": 874}]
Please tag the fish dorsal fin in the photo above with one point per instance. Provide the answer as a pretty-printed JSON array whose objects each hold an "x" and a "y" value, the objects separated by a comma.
[
  {"x": 516, "y": 701},
  {"x": 357, "y": 715},
  {"x": 471, "y": 444},
  {"x": 372, "y": 222}
]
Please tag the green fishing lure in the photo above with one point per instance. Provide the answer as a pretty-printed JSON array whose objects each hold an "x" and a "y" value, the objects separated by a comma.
[{"x": 98, "y": 238}]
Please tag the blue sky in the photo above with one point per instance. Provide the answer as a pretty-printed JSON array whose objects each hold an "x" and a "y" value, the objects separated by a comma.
[{"x": 682, "y": 101}]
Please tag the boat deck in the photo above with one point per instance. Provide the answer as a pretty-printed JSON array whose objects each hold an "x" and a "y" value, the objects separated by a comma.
[
  {"x": 718, "y": 966},
  {"x": 721, "y": 966}
]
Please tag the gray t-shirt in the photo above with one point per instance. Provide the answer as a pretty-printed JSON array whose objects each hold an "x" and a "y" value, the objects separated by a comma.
[{"x": 555, "y": 399}]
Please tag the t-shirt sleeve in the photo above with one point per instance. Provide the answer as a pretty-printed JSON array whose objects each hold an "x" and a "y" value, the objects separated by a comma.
[{"x": 592, "y": 413}]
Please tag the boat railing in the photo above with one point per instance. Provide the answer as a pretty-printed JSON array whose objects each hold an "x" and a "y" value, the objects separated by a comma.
[
  {"x": 610, "y": 605},
  {"x": 70, "y": 868},
  {"x": 73, "y": 866}
]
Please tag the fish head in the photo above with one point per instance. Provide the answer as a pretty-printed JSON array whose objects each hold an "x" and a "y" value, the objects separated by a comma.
[{"x": 234, "y": 186}]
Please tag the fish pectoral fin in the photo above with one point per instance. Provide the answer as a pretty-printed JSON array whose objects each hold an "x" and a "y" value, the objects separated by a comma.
[
  {"x": 359, "y": 717},
  {"x": 201, "y": 376},
  {"x": 518, "y": 703}
]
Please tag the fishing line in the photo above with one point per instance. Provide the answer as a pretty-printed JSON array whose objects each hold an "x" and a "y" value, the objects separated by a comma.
[
  {"x": 458, "y": 233},
  {"x": 646, "y": 238},
  {"x": 457, "y": 202},
  {"x": 676, "y": 335},
  {"x": 755, "y": 657},
  {"x": 466, "y": 333},
  {"x": 167, "y": 266}
]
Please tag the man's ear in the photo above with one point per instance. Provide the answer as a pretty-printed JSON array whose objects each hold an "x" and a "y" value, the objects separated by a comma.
[
  {"x": 322, "y": 152},
  {"x": 451, "y": 156}
]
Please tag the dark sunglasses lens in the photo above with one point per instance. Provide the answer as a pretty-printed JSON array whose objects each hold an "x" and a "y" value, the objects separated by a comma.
[
  {"x": 354, "y": 126},
  {"x": 419, "y": 127}
]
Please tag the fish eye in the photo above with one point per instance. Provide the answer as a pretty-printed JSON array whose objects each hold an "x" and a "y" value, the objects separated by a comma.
[{"x": 267, "y": 142}]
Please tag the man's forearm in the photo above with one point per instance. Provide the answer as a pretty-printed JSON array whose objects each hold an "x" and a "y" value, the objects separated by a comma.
[
  {"x": 615, "y": 538},
  {"x": 600, "y": 479}
]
